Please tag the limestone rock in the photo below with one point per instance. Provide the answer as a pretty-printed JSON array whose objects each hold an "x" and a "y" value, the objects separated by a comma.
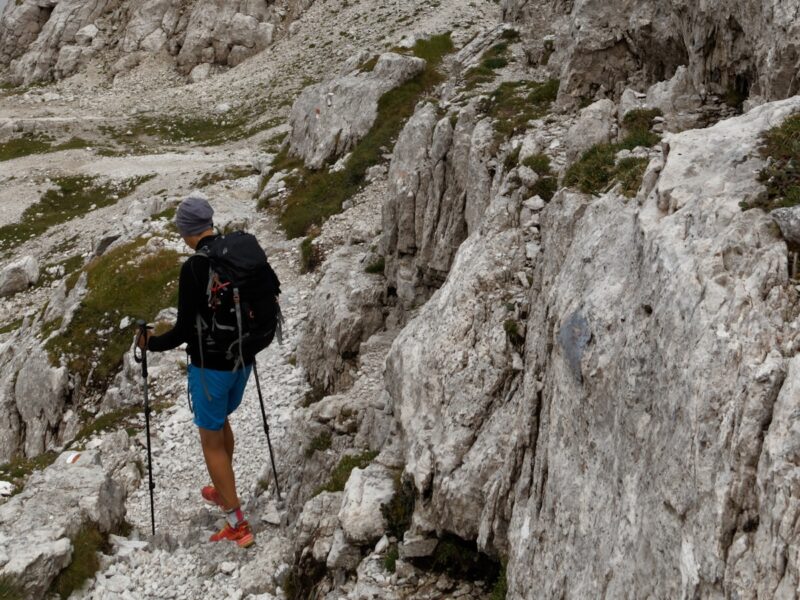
[
  {"x": 343, "y": 555},
  {"x": 364, "y": 494},
  {"x": 18, "y": 276},
  {"x": 317, "y": 524},
  {"x": 596, "y": 125},
  {"x": 347, "y": 308},
  {"x": 440, "y": 182},
  {"x": 788, "y": 219},
  {"x": 608, "y": 46},
  {"x": 328, "y": 119},
  {"x": 56, "y": 503}
]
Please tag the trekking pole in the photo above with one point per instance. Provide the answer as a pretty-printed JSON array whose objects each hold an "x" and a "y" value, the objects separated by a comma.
[
  {"x": 266, "y": 431},
  {"x": 141, "y": 358}
]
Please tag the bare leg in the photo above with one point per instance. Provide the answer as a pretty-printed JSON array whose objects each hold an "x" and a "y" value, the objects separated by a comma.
[
  {"x": 228, "y": 439},
  {"x": 218, "y": 462}
]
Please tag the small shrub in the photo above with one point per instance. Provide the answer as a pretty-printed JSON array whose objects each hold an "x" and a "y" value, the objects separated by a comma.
[
  {"x": 514, "y": 103},
  {"x": 85, "y": 562},
  {"x": 310, "y": 255},
  {"x": 781, "y": 146},
  {"x": 341, "y": 473},
  {"x": 511, "y": 35},
  {"x": 320, "y": 443},
  {"x": 377, "y": 267},
  {"x": 597, "y": 169},
  {"x": 390, "y": 560},
  {"x": 547, "y": 186}
]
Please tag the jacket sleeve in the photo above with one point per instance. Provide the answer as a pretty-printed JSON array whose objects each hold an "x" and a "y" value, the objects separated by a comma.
[{"x": 189, "y": 296}]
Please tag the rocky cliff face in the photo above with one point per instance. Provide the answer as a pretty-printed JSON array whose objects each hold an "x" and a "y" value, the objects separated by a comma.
[
  {"x": 658, "y": 337},
  {"x": 736, "y": 48},
  {"x": 41, "y": 41}
]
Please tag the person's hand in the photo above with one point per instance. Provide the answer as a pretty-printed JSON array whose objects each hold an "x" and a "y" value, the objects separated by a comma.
[{"x": 142, "y": 340}]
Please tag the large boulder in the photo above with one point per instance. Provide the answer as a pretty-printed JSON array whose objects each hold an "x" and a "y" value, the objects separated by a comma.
[
  {"x": 19, "y": 276},
  {"x": 346, "y": 309},
  {"x": 440, "y": 182},
  {"x": 366, "y": 491},
  {"x": 597, "y": 124},
  {"x": 329, "y": 119},
  {"x": 38, "y": 524}
]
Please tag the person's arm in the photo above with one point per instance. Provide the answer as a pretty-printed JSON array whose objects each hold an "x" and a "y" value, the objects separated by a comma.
[{"x": 183, "y": 330}]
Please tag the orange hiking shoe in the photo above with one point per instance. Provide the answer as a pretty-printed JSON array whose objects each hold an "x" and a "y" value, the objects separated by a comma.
[
  {"x": 241, "y": 534},
  {"x": 211, "y": 496}
]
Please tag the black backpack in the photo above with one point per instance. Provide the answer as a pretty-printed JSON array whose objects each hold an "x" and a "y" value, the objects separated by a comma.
[{"x": 242, "y": 295}]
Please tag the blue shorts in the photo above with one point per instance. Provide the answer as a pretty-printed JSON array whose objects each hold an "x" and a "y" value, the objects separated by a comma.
[{"x": 226, "y": 390}]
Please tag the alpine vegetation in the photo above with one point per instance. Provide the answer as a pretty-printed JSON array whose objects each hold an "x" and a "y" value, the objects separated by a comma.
[{"x": 358, "y": 300}]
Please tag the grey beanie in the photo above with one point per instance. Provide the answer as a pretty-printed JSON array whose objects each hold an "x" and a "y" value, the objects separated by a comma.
[{"x": 194, "y": 215}]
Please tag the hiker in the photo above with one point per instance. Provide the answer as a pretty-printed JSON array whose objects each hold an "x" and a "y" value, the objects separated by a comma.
[{"x": 219, "y": 369}]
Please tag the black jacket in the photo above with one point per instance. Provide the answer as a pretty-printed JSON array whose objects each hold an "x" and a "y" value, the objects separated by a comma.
[{"x": 192, "y": 299}]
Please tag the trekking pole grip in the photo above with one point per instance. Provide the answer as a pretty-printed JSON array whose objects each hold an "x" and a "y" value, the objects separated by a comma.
[{"x": 141, "y": 357}]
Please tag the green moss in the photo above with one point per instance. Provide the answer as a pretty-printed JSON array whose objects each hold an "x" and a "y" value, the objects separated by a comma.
[
  {"x": 377, "y": 267},
  {"x": 10, "y": 589},
  {"x": 19, "y": 147},
  {"x": 597, "y": 169},
  {"x": 122, "y": 282},
  {"x": 369, "y": 65},
  {"x": 500, "y": 588},
  {"x": 400, "y": 508},
  {"x": 341, "y": 473},
  {"x": 781, "y": 147},
  {"x": 511, "y": 35},
  {"x": 316, "y": 195},
  {"x": 85, "y": 563},
  {"x": 390, "y": 560},
  {"x": 514, "y": 103},
  {"x": 320, "y": 443},
  {"x": 19, "y": 469},
  {"x": 493, "y": 59},
  {"x": 310, "y": 255},
  {"x": 74, "y": 196}
]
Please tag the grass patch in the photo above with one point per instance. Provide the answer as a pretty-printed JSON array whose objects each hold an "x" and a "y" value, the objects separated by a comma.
[
  {"x": 37, "y": 144},
  {"x": 10, "y": 589},
  {"x": 377, "y": 267},
  {"x": 66, "y": 267},
  {"x": 73, "y": 196},
  {"x": 228, "y": 174},
  {"x": 122, "y": 282},
  {"x": 341, "y": 473},
  {"x": 310, "y": 255},
  {"x": 547, "y": 185},
  {"x": 320, "y": 443},
  {"x": 12, "y": 326},
  {"x": 19, "y": 469},
  {"x": 390, "y": 560},
  {"x": 781, "y": 146},
  {"x": 316, "y": 195},
  {"x": 514, "y": 103},
  {"x": 85, "y": 562},
  {"x": 493, "y": 59},
  {"x": 598, "y": 169}
]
